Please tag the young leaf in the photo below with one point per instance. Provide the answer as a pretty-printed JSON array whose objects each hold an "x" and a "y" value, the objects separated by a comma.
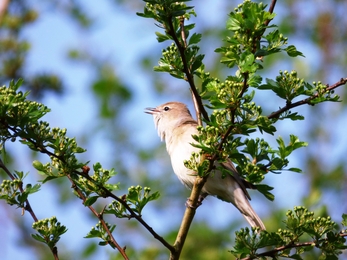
[
  {"x": 90, "y": 201},
  {"x": 293, "y": 52}
]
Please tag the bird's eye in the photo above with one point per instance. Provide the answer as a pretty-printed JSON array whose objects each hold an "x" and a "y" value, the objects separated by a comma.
[{"x": 166, "y": 108}]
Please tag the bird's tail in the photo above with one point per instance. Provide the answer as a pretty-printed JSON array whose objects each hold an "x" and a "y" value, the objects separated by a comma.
[
  {"x": 242, "y": 204},
  {"x": 253, "y": 219}
]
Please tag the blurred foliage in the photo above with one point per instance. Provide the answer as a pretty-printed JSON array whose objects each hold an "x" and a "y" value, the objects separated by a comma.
[{"x": 318, "y": 27}]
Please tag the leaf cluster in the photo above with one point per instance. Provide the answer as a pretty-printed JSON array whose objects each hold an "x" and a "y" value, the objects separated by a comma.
[
  {"x": 303, "y": 233},
  {"x": 49, "y": 231},
  {"x": 12, "y": 192},
  {"x": 136, "y": 199},
  {"x": 100, "y": 232}
]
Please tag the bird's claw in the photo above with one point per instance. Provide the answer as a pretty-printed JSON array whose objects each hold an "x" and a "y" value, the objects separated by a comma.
[{"x": 198, "y": 204}]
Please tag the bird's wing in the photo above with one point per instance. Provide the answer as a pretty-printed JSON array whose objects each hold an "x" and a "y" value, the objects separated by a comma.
[{"x": 234, "y": 174}]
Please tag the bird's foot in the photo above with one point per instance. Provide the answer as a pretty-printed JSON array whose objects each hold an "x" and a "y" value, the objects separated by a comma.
[{"x": 198, "y": 204}]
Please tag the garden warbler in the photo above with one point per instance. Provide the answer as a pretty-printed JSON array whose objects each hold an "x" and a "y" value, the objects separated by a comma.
[{"x": 176, "y": 126}]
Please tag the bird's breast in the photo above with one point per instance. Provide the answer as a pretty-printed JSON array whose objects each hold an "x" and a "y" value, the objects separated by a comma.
[{"x": 180, "y": 150}]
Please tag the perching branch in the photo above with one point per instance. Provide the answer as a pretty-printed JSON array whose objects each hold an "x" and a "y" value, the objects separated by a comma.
[
  {"x": 289, "y": 106},
  {"x": 188, "y": 217}
]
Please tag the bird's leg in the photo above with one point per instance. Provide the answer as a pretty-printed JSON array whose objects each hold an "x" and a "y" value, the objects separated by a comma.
[{"x": 200, "y": 199}]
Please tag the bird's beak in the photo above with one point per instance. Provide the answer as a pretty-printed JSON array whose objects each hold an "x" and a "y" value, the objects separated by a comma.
[{"x": 151, "y": 110}]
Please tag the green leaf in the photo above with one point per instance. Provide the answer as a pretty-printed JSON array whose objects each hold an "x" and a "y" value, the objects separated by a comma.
[
  {"x": 233, "y": 24},
  {"x": 90, "y": 200},
  {"x": 270, "y": 84},
  {"x": 295, "y": 170},
  {"x": 22, "y": 197},
  {"x": 265, "y": 124},
  {"x": 254, "y": 80},
  {"x": 93, "y": 233},
  {"x": 79, "y": 150},
  {"x": 49, "y": 178},
  {"x": 194, "y": 39},
  {"x": 264, "y": 189},
  {"x": 38, "y": 238},
  {"x": 294, "y": 116},
  {"x": 293, "y": 52},
  {"x": 38, "y": 166},
  {"x": 344, "y": 220},
  {"x": 162, "y": 37},
  {"x": 154, "y": 196},
  {"x": 33, "y": 189},
  {"x": 103, "y": 243},
  {"x": 197, "y": 62}
]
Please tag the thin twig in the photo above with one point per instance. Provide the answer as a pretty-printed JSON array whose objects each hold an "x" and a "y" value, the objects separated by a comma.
[
  {"x": 271, "y": 10},
  {"x": 27, "y": 206},
  {"x": 187, "y": 70},
  {"x": 200, "y": 181},
  {"x": 196, "y": 104}
]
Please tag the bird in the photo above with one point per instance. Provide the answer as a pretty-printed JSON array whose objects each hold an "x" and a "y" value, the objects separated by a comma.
[{"x": 176, "y": 126}]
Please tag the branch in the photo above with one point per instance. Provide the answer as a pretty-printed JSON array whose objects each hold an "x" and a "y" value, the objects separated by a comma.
[
  {"x": 196, "y": 104},
  {"x": 273, "y": 253},
  {"x": 289, "y": 106},
  {"x": 271, "y": 10},
  {"x": 188, "y": 217},
  {"x": 190, "y": 78},
  {"x": 200, "y": 110}
]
